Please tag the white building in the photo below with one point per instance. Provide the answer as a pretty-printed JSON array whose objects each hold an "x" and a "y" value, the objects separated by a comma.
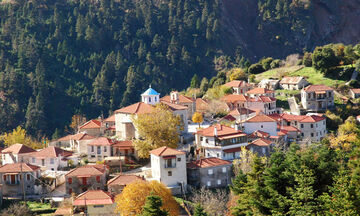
[
  {"x": 168, "y": 166},
  {"x": 220, "y": 141},
  {"x": 317, "y": 98},
  {"x": 257, "y": 92},
  {"x": 293, "y": 83},
  {"x": 99, "y": 149},
  {"x": 269, "y": 84},
  {"x": 52, "y": 158},
  {"x": 15, "y": 153},
  {"x": 261, "y": 123},
  {"x": 150, "y": 96},
  {"x": 238, "y": 86}
]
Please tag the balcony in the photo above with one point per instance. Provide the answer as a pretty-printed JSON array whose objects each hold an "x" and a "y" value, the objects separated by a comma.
[
  {"x": 12, "y": 183},
  {"x": 170, "y": 165}
]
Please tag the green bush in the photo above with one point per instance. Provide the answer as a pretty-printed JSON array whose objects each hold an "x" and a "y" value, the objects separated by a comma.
[{"x": 256, "y": 68}]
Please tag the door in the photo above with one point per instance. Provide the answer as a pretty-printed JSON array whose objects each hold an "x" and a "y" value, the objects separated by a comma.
[
  {"x": 12, "y": 179},
  {"x": 84, "y": 181}
]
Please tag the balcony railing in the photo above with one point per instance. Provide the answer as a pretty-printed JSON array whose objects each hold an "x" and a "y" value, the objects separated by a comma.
[
  {"x": 170, "y": 165},
  {"x": 12, "y": 183}
]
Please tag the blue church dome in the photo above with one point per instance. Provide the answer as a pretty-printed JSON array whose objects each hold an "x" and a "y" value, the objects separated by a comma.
[{"x": 150, "y": 91}]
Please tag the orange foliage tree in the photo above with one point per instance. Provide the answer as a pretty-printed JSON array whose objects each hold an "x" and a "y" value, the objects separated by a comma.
[{"x": 132, "y": 199}]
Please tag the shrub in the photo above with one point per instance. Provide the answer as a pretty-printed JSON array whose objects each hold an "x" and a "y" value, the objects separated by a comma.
[
  {"x": 307, "y": 59},
  {"x": 275, "y": 64},
  {"x": 256, "y": 68},
  {"x": 266, "y": 63}
]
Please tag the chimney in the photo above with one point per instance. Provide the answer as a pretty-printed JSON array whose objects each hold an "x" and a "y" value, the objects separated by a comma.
[{"x": 215, "y": 131}]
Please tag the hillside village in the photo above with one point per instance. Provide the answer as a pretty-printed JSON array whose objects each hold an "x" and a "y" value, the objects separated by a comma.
[{"x": 94, "y": 165}]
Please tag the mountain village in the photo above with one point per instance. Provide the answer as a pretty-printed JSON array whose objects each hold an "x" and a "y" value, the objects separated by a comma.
[{"x": 94, "y": 165}]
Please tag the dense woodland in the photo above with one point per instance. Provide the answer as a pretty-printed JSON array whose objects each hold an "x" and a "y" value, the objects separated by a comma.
[{"x": 59, "y": 58}]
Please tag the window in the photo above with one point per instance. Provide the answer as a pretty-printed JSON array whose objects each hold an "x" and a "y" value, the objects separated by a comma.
[
  {"x": 323, "y": 122},
  {"x": 208, "y": 154},
  {"x": 98, "y": 206},
  {"x": 312, "y": 134},
  {"x": 155, "y": 99},
  {"x": 210, "y": 172},
  {"x": 218, "y": 155},
  {"x": 51, "y": 160},
  {"x": 170, "y": 163},
  {"x": 99, "y": 149},
  {"x": 206, "y": 140},
  {"x": 149, "y": 100},
  {"x": 201, "y": 138},
  {"x": 28, "y": 177},
  {"x": 98, "y": 179},
  {"x": 179, "y": 159},
  {"x": 263, "y": 151},
  {"x": 316, "y": 125},
  {"x": 209, "y": 183},
  {"x": 92, "y": 148},
  {"x": 70, "y": 191},
  {"x": 70, "y": 180},
  {"x": 262, "y": 126},
  {"x": 224, "y": 169},
  {"x": 33, "y": 160},
  {"x": 169, "y": 173},
  {"x": 105, "y": 148},
  {"x": 302, "y": 134},
  {"x": 302, "y": 125},
  {"x": 4, "y": 177},
  {"x": 219, "y": 181},
  {"x": 312, "y": 125}
]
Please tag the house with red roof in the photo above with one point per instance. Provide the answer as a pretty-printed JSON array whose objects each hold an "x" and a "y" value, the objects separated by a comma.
[
  {"x": 293, "y": 83},
  {"x": 176, "y": 98},
  {"x": 311, "y": 127},
  {"x": 125, "y": 148},
  {"x": 17, "y": 178},
  {"x": 94, "y": 202},
  {"x": 261, "y": 147},
  {"x": 257, "y": 92},
  {"x": 88, "y": 177},
  {"x": 260, "y": 123},
  {"x": 354, "y": 93},
  {"x": 15, "y": 153},
  {"x": 260, "y": 104},
  {"x": 220, "y": 141},
  {"x": 168, "y": 166},
  {"x": 317, "y": 98},
  {"x": 238, "y": 86},
  {"x": 52, "y": 158},
  {"x": 76, "y": 142},
  {"x": 99, "y": 149},
  {"x": 209, "y": 172},
  {"x": 117, "y": 184},
  {"x": 93, "y": 127},
  {"x": 109, "y": 124},
  {"x": 202, "y": 106}
]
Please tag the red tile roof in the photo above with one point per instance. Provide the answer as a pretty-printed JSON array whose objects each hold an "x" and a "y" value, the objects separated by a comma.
[
  {"x": 63, "y": 211},
  {"x": 182, "y": 99},
  {"x": 110, "y": 119},
  {"x": 173, "y": 106},
  {"x": 286, "y": 129},
  {"x": 127, "y": 144},
  {"x": 260, "y": 134},
  {"x": 356, "y": 91},
  {"x": 166, "y": 151},
  {"x": 231, "y": 150},
  {"x": 94, "y": 197},
  {"x": 101, "y": 141},
  {"x": 18, "y": 149},
  {"x": 81, "y": 136},
  {"x": 91, "y": 124},
  {"x": 87, "y": 170},
  {"x": 299, "y": 118},
  {"x": 261, "y": 142},
  {"x": 138, "y": 108},
  {"x": 259, "y": 91},
  {"x": 315, "y": 88},
  {"x": 50, "y": 152},
  {"x": 222, "y": 130},
  {"x": 124, "y": 180},
  {"x": 260, "y": 118},
  {"x": 1, "y": 149},
  {"x": 291, "y": 80},
  {"x": 312, "y": 118},
  {"x": 18, "y": 167},
  {"x": 233, "y": 98},
  {"x": 235, "y": 83},
  {"x": 65, "y": 138},
  {"x": 201, "y": 104},
  {"x": 207, "y": 162},
  {"x": 228, "y": 118},
  {"x": 240, "y": 111}
]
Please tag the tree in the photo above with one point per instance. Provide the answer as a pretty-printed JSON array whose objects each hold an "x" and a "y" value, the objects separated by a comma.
[
  {"x": 197, "y": 118},
  {"x": 256, "y": 68},
  {"x": 195, "y": 83},
  {"x": 76, "y": 121},
  {"x": 18, "y": 135},
  {"x": 237, "y": 74},
  {"x": 156, "y": 129},
  {"x": 133, "y": 197},
  {"x": 204, "y": 86},
  {"x": 17, "y": 209},
  {"x": 323, "y": 59},
  {"x": 152, "y": 207},
  {"x": 199, "y": 211},
  {"x": 213, "y": 202}
]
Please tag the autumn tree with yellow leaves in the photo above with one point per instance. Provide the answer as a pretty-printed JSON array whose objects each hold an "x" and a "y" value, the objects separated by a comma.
[
  {"x": 156, "y": 129},
  {"x": 347, "y": 134},
  {"x": 132, "y": 199},
  {"x": 197, "y": 118},
  {"x": 18, "y": 135}
]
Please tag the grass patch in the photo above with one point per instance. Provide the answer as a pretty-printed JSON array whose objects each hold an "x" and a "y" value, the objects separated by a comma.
[
  {"x": 39, "y": 208},
  {"x": 277, "y": 72},
  {"x": 316, "y": 77}
]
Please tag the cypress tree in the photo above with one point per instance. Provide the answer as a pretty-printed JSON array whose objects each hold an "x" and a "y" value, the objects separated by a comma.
[{"x": 152, "y": 207}]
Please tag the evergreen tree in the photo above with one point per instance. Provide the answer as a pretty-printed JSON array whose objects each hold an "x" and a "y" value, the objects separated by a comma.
[
  {"x": 152, "y": 207},
  {"x": 199, "y": 211},
  {"x": 195, "y": 83}
]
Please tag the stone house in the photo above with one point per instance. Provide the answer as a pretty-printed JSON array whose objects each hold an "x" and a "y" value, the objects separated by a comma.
[
  {"x": 209, "y": 172},
  {"x": 202, "y": 106},
  {"x": 257, "y": 92},
  {"x": 258, "y": 134},
  {"x": 15, "y": 153},
  {"x": 293, "y": 83},
  {"x": 117, "y": 184},
  {"x": 176, "y": 98},
  {"x": 179, "y": 110},
  {"x": 317, "y": 98},
  {"x": 269, "y": 84},
  {"x": 261, "y": 147},
  {"x": 241, "y": 114},
  {"x": 14, "y": 176},
  {"x": 93, "y": 127},
  {"x": 99, "y": 149},
  {"x": 125, "y": 148},
  {"x": 261, "y": 123},
  {"x": 238, "y": 86},
  {"x": 261, "y": 104},
  {"x": 220, "y": 141},
  {"x": 168, "y": 166},
  {"x": 354, "y": 93},
  {"x": 109, "y": 124},
  {"x": 87, "y": 177},
  {"x": 52, "y": 158},
  {"x": 76, "y": 142},
  {"x": 94, "y": 202}
]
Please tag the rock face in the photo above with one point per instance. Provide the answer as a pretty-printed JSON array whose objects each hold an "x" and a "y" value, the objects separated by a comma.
[{"x": 308, "y": 24}]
